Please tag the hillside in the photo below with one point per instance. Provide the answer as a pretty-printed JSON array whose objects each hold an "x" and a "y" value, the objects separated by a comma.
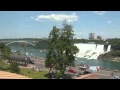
[{"x": 113, "y": 55}]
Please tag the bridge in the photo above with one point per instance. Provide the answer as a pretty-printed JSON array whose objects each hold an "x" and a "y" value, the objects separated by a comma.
[{"x": 21, "y": 41}]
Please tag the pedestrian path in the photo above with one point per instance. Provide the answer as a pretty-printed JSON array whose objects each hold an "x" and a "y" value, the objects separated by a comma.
[{"x": 8, "y": 75}]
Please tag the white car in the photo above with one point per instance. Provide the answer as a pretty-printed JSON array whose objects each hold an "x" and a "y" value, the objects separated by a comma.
[{"x": 116, "y": 77}]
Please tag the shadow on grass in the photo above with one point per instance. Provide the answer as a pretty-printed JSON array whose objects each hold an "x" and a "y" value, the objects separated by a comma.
[
  {"x": 49, "y": 75},
  {"x": 65, "y": 76}
]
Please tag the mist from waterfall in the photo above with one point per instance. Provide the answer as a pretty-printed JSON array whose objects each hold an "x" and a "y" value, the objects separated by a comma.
[{"x": 91, "y": 51}]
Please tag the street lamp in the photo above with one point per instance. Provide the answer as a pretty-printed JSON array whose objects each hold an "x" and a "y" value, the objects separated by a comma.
[{"x": 41, "y": 64}]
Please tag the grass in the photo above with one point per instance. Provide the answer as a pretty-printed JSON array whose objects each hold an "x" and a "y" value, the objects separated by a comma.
[
  {"x": 32, "y": 74},
  {"x": 25, "y": 71},
  {"x": 29, "y": 72}
]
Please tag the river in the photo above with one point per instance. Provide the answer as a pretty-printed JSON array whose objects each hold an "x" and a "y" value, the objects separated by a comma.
[{"x": 91, "y": 62}]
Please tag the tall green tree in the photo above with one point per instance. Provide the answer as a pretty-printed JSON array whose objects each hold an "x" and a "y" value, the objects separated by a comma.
[
  {"x": 51, "y": 55},
  {"x": 68, "y": 50},
  {"x": 4, "y": 51},
  {"x": 61, "y": 51}
]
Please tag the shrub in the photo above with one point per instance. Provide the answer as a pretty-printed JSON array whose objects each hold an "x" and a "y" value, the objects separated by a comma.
[{"x": 14, "y": 67}]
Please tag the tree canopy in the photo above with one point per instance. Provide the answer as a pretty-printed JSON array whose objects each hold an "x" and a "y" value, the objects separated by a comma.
[
  {"x": 4, "y": 51},
  {"x": 14, "y": 67},
  {"x": 61, "y": 50}
]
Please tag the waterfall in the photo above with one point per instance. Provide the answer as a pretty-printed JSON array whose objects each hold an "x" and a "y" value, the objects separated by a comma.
[
  {"x": 109, "y": 48},
  {"x": 91, "y": 51},
  {"x": 105, "y": 48}
]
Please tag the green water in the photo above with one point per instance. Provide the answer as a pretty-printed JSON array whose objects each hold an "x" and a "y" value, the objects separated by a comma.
[
  {"x": 106, "y": 64},
  {"x": 102, "y": 63}
]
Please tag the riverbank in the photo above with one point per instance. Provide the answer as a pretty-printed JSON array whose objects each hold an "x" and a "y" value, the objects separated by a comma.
[
  {"x": 116, "y": 59},
  {"x": 42, "y": 74},
  {"x": 113, "y": 55},
  {"x": 111, "y": 58},
  {"x": 40, "y": 63}
]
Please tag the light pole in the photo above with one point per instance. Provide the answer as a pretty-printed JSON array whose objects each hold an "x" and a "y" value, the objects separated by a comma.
[
  {"x": 41, "y": 64},
  {"x": 24, "y": 46}
]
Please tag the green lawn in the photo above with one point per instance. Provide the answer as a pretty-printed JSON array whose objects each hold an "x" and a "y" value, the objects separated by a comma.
[
  {"x": 32, "y": 74},
  {"x": 25, "y": 71}
]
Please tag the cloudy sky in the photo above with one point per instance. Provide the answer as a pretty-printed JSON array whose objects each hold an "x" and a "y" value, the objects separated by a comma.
[{"x": 33, "y": 24}]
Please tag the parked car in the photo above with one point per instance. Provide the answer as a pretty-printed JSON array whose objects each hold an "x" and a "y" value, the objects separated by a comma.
[{"x": 72, "y": 71}]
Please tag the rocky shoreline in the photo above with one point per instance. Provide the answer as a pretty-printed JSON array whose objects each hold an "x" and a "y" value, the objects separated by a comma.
[{"x": 108, "y": 57}]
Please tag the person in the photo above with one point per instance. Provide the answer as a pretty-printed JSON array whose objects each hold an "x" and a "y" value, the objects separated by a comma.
[
  {"x": 112, "y": 73},
  {"x": 98, "y": 68}
]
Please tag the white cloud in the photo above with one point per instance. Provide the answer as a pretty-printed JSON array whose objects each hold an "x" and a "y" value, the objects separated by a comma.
[
  {"x": 57, "y": 17},
  {"x": 99, "y": 12},
  {"x": 109, "y": 22}
]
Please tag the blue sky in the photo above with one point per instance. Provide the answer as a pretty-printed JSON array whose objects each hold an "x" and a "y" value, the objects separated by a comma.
[{"x": 33, "y": 24}]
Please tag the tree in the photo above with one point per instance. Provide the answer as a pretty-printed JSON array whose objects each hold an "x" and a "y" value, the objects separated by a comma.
[
  {"x": 68, "y": 50},
  {"x": 4, "y": 51},
  {"x": 61, "y": 51},
  {"x": 14, "y": 67},
  {"x": 54, "y": 40}
]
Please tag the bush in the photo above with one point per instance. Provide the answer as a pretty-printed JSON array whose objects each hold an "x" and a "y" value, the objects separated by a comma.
[
  {"x": 3, "y": 66},
  {"x": 116, "y": 53},
  {"x": 14, "y": 67}
]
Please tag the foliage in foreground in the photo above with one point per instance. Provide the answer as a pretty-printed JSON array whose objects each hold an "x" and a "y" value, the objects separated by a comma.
[
  {"x": 4, "y": 51},
  {"x": 3, "y": 66},
  {"x": 14, "y": 67},
  {"x": 61, "y": 50}
]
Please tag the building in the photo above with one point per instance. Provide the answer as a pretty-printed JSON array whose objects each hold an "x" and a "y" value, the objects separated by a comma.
[
  {"x": 99, "y": 37},
  {"x": 24, "y": 60},
  {"x": 91, "y": 36}
]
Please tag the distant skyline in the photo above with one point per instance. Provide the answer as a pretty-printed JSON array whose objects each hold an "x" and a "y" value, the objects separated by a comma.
[{"x": 34, "y": 24}]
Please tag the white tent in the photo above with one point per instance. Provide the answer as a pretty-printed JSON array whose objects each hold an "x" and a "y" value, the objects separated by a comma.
[{"x": 94, "y": 68}]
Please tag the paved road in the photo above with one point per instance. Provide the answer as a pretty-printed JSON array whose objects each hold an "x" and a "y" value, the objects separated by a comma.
[
  {"x": 107, "y": 74},
  {"x": 103, "y": 74}
]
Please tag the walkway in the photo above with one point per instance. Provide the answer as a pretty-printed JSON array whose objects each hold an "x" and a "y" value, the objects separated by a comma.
[
  {"x": 89, "y": 76},
  {"x": 8, "y": 75}
]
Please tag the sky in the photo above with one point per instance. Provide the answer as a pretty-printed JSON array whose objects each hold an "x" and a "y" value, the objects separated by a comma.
[{"x": 35, "y": 24}]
